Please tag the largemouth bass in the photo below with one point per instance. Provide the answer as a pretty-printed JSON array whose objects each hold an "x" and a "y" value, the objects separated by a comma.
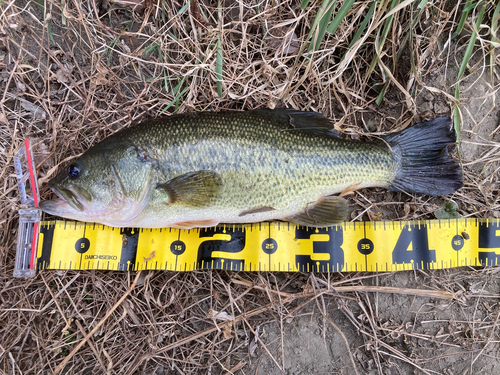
[{"x": 201, "y": 169}]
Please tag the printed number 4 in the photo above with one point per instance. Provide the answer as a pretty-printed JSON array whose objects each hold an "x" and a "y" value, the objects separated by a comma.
[{"x": 420, "y": 251}]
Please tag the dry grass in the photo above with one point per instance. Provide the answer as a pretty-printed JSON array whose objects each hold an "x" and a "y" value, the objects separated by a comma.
[{"x": 73, "y": 72}]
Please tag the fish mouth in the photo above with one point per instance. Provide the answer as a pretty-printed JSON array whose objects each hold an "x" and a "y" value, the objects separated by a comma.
[
  {"x": 72, "y": 198},
  {"x": 56, "y": 207}
]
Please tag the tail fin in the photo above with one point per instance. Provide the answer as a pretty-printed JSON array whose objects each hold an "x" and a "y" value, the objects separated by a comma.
[{"x": 426, "y": 167}]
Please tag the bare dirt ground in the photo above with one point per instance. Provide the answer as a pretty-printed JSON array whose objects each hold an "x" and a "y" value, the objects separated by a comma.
[{"x": 72, "y": 73}]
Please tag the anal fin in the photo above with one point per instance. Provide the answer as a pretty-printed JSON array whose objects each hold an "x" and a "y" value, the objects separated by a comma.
[
  {"x": 195, "y": 224},
  {"x": 328, "y": 211}
]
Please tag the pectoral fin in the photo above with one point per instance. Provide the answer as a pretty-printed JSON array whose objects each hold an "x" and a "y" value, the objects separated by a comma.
[
  {"x": 193, "y": 189},
  {"x": 326, "y": 212}
]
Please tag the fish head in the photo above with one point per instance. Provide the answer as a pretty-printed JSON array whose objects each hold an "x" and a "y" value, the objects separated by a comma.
[{"x": 102, "y": 187}]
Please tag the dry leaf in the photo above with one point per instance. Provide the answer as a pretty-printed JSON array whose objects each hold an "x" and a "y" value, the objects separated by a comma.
[
  {"x": 374, "y": 216},
  {"x": 20, "y": 86},
  {"x": 124, "y": 46},
  {"x": 65, "y": 330},
  {"x": 3, "y": 119},
  {"x": 407, "y": 209},
  {"x": 151, "y": 256},
  {"x": 213, "y": 314},
  {"x": 254, "y": 343},
  {"x": 136, "y": 5},
  {"x": 350, "y": 189},
  {"x": 283, "y": 39},
  {"x": 36, "y": 111},
  {"x": 61, "y": 76},
  {"x": 227, "y": 331}
]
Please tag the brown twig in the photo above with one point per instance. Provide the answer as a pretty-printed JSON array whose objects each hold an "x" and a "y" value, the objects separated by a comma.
[
  {"x": 98, "y": 325},
  {"x": 357, "y": 288}
]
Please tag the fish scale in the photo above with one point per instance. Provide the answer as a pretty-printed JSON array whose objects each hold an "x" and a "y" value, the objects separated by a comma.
[{"x": 256, "y": 156}]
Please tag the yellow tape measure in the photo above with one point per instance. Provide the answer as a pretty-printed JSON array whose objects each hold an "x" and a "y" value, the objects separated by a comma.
[{"x": 355, "y": 246}]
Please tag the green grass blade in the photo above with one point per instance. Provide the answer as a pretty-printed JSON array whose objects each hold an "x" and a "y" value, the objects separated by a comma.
[
  {"x": 494, "y": 39},
  {"x": 403, "y": 47},
  {"x": 304, "y": 3},
  {"x": 494, "y": 23},
  {"x": 469, "y": 7},
  {"x": 463, "y": 66},
  {"x": 457, "y": 121},
  {"x": 320, "y": 24},
  {"x": 472, "y": 41},
  {"x": 172, "y": 36},
  {"x": 340, "y": 16},
  {"x": 63, "y": 17},
  {"x": 463, "y": 18},
  {"x": 381, "y": 94},
  {"x": 111, "y": 48},
  {"x": 218, "y": 53},
  {"x": 176, "y": 100},
  {"x": 364, "y": 24},
  {"x": 126, "y": 26},
  {"x": 160, "y": 56},
  {"x": 41, "y": 4},
  {"x": 218, "y": 67},
  {"x": 388, "y": 23},
  {"x": 152, "y": 47},
  {"x": 183, "y": 9},
  {"x": 380, "y": 41}
]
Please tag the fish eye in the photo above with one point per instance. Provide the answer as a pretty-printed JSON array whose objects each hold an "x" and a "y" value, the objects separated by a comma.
[{"x": 74, "y": 171}]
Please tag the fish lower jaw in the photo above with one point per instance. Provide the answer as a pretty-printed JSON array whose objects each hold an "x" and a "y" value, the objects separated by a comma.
[
  {"x": 56, "y": 207},
  {"x": 60, "y": 207}
]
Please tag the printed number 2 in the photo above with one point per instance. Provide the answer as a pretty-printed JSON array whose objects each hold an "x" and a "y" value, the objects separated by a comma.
[
  {"x": 235, "y": 245},
  {"x": 420, "y": 252}
]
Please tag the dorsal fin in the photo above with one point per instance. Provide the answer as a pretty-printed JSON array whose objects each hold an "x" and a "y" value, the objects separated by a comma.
[{"x": 308, "y": 122}]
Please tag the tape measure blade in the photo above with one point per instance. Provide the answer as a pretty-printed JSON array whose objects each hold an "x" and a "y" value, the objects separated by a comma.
[{"x": 276, "y": 247}]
